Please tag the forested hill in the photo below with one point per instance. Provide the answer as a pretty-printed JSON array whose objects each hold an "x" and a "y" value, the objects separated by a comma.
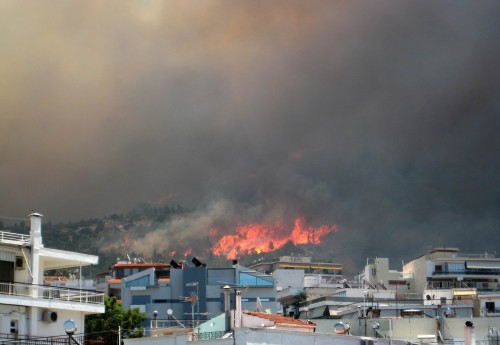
[
  {"x": 121, "y": 235},
  {"x": 106, "y": 237}
]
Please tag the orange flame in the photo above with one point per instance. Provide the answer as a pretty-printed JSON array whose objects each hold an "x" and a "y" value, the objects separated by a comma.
[
  {"x": 261, "y": 238},
  {"x": 188, "y": 252},
  {"x": 172, "y": 253}
]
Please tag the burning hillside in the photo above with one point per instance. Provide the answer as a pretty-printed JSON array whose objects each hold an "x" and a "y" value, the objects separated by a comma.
[{"x": 259, "y": 238}]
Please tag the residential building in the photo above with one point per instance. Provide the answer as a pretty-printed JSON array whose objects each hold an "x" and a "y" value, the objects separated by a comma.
[
  {"x": 28, "y": 307},
  {"x": 192, "y": 295},
  {"x": 110, "y": 282},
  {"x": 448, "y": 268},
  {"x": 295, "y": 274},
  {"x": 378, "y": 275}
]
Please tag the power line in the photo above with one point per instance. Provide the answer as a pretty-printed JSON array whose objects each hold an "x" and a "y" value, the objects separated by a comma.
[{"x": 14, "y": 218}]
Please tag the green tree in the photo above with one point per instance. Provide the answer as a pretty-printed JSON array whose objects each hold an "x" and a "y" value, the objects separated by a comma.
[
  {"x": 114, "y": 316},
  {"x": 297, "y": 300}
]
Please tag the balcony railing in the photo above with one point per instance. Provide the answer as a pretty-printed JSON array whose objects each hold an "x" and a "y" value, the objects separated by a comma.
[
  {"x": 13, "y": 238},
  {"x": 468, "y": 272},
  {"x": 43, "y": 292}
]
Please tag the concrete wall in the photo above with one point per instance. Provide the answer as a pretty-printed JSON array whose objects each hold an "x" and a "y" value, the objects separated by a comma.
[
  {"x": 285, "y": 278},
  {"x": 246, "y": 336},
  {"x": 417, "y": 268},
  {"x": 171, "y": 340},
  {"x": 411, "y": 328}
]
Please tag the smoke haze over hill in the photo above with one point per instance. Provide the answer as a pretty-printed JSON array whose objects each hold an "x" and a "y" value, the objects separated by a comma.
[{"x": 381, "y": 118}]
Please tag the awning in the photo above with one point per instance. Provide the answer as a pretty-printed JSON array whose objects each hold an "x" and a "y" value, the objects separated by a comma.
[
  {"x": 488, "y": 265},
  {"x": 464, "y": 293}
]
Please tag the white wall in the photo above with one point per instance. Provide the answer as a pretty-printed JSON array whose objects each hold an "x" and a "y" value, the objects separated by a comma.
[{"x": 171, "y": 340}]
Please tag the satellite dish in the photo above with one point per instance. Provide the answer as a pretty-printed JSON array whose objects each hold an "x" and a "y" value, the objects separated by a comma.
[
  {"x": 170, "y": 311},
  {"x": 460, "y": 278}
]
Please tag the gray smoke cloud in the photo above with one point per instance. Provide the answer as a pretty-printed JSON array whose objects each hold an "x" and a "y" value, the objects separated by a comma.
[{"x": 380, "y": 117}]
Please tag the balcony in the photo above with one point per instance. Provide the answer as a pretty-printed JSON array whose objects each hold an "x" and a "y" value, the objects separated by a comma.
[
  {"x": 483, "y": 272},
  {"x": 49, "y": 296},
  {"x": 12, "y": 238}
]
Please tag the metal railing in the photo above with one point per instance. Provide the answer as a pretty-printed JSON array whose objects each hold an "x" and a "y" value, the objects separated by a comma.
[
  {"x": 207, "y": 335},
  {"x": 103, "y": 338},
  {"x": 44, "y": 292},
  {"x": 13, "y": 238}
]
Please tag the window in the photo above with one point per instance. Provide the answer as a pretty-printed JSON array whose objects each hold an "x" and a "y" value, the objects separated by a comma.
[
  {"x": 142, "y": 281},
  {"x": 443, "y": 300},
  {"x": 490, "y": 306},
  {"x": 141, "y": 299},
  {"x": 439, "y": 268},
  {"x": 14, "y": 326},
  {"x": 7, "y": 271},
  {"x": 456, "y": 267},
  {"x": 216, "y": 276},
  {"x": 251, "y": 280},
  {"x": 162, "y": 301}
]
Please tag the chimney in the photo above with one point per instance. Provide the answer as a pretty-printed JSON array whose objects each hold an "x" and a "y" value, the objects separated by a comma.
[
  {"x": 36, "y": 229},
  {"x": 237, "y": 312},
  {"x": 227, "y": 307},
  {"x": 469, "y": 336}
]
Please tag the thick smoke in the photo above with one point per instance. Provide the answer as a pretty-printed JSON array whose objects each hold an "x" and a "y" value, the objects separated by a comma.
[{"x": 380, "y": 117}]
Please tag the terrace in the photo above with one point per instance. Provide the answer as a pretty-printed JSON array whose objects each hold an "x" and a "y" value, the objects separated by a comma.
[
  {"x": 13, "y": 238},
  {"x": 50, "y": 296}
]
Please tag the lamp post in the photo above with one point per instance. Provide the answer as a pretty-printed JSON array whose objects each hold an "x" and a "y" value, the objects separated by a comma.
[
  {"x": 70, "y": 329},
  {"x": 155, "y": 319}
]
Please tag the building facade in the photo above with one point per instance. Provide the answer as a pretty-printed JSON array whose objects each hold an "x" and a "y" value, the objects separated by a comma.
[
  {"x": 28, "y": 307},
  {"x": 448, "y": 268}
]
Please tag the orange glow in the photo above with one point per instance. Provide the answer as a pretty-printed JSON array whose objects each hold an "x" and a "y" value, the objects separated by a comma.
[
  {"x": 261, "y": 238},
  {"x": 172, "y": 253},
  {"x": 188, "y": 252}
]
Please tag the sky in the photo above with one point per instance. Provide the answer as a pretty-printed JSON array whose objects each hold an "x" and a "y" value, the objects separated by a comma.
[{"x": 382, "y": 118}]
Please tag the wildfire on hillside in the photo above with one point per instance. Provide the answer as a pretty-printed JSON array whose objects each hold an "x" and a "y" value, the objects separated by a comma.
[{"x": 261, "y": 238}]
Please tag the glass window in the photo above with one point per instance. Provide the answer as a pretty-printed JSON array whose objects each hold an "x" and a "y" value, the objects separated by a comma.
[
  {"x": 141, "y": 299},
  {"x": 456, "y": 266},
  {"x": 142, "y": 281},
  {"x": 221, "y": 276},
  {"x": 251, "y": 280}
]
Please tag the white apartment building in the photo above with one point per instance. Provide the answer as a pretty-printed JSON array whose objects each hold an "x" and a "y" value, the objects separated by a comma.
[
  {"x": 444, "y": 268},
  {"x": 28, "y": 308}
]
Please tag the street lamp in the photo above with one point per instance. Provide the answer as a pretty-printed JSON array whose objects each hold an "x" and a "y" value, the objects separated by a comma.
[
  {"x": 70, "y": 329},
  {"x": 155, "y": 319}
]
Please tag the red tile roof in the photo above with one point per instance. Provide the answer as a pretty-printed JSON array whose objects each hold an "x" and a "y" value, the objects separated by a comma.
[
  {"x": 279, "y": 319},
  {"x": 114, "y": 281}
]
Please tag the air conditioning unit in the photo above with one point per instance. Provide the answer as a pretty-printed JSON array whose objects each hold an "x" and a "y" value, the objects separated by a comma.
[
  {"x": 20, "y": 263},
  {"x": 50, "y": 316}
]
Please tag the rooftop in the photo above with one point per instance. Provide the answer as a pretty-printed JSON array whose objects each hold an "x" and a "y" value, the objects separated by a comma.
[{"x": 279, "y": 319}]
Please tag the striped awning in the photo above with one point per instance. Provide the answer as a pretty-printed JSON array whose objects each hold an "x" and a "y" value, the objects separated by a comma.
[{"x": 483, "y": 264}]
